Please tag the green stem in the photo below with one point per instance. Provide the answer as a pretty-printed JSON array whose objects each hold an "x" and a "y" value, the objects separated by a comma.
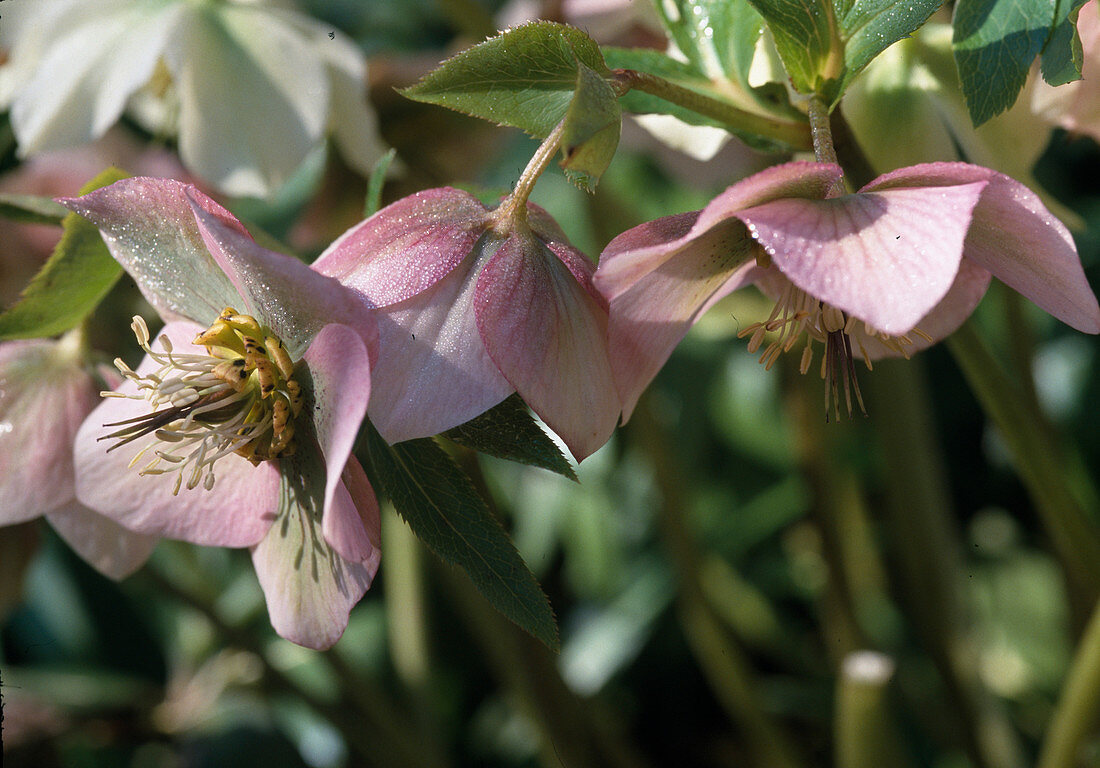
[
  {"x": 574, "y": 732},
  {"x": 928, "y": 558},
  {"x": 795, "y": 134},
  {"x": 513, "y": 211},
  {"x": 866, "y": 736},
  {"x": 721, "y": 660},
  {"x": 1038, "y": 459},
  {"x": 1079, "y": 707}
]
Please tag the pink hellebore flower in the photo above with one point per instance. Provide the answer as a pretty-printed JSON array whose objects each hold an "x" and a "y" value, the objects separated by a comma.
[
  {"x": 885, "y": 271},
  {"x": 237, "y": 428},
  {"x": 45, "y": 393},
  {"x": 474, "y": 306}
]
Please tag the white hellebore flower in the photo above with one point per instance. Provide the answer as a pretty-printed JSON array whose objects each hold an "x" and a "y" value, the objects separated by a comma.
[{"x": 250, "y": 88}]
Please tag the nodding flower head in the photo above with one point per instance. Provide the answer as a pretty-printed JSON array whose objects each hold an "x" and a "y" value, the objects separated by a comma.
[
  {"x": 882, "y": 272},
  {"x": 239, "y": 397}
]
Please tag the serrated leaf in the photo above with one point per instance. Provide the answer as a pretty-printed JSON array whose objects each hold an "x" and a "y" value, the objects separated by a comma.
[
  {"x": 73, "y": 281},
  {"x": 524, "y": 77},
  {"x": 31, "y": 209},
  {"x": 441, "y": 506},
  {"x": 590, "y": 134},
  {"x": 509, "y": 432},
  {"x": 995, "y": 43}
]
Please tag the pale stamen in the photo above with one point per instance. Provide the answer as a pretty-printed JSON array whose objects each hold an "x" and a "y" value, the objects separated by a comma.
[
  {"x": 240, "y": 398},
  {"x": 796, "y": 315}
]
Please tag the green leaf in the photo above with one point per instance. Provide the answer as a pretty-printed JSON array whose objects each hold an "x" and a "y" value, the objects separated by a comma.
[
  {"x": 73, "y": 281},
  {"x": 508, "y": 431},
  {"x": 807, "y": 36},
  {"x": 704, "y": 31},
  {"x": 31, "y": 209},
  {"x": 719, "y": 39},
  {"x": 441, "y": 506},
  {"x": 524, "y": 77},
  {"x": 996, "y": 41},
  {"x": 377, "y": 180},
  {"x": 869, "y": 27},
  {"x": 1062, "y": 56},
  {"x": 590, "y": 134},
  {"x": 824, "y": 44}
]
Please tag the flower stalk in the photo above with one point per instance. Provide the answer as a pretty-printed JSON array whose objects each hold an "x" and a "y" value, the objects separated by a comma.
[
  {"x": 513, "y": 211},
  {"x": 795, "y": 134}
]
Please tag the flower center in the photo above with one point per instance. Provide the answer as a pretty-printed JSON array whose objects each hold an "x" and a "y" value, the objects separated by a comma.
[
  {"x": 796, "y": 315},
  {"x": 240, "y": 397}
]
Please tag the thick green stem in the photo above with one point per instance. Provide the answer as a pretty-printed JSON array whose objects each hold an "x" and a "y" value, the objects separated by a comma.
[
  {"x": 1038, "y": 459},
  {"x": 794, "y": 134},
  {"x": 1078, "y": 710},
  {"x": 513, "y": 211},
  {"x": 866, "y": 735}
]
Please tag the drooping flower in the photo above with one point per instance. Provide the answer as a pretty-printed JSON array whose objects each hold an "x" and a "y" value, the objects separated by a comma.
[
  {"x": 475, "y": 305},
  {"x": 250, "y": 88},
  {"x": 881, "y": 272},
  {"x": 237, "y": 428},
  {"x": 45, "y": 393}
]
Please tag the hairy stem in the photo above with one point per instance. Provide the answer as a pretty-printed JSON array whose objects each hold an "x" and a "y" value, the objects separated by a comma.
[{"x": 794, "y": 134}]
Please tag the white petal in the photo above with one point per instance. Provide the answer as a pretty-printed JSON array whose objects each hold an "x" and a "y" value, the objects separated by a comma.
[
  {"x": 85, "y": 78},
  {"x": 254, "y": 97}
]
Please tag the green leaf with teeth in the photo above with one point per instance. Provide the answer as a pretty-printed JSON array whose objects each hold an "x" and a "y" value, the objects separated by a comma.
[
  {"x": 71, "y": 284},
  {"x": 508, "y": 431},
  {"x": 439, "y": 503}
]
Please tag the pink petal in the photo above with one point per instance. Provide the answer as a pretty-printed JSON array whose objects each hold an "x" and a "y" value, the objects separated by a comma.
[
  {"x": 279, "y": 290},
  {"x": 885, "y": 257},
  {"x": 433, "y": 372},
  {"x": 149, "y": 227},
  {"x": 406, "y": 247},
  {"x": 644, "y": 248},
  {"x": 44, "y": 397},
  {"x": 310, "y": 588},
  {"x": 340, "y": 372},
  {"x": 1016, "y": 238},
  {"x": 111, "y": 549},
  {"x": 548, "y": 335},
  {"x": 352, "y": 526},
  {"x": 235, "y": 513},
  {"x": 650, "y": 319}
]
